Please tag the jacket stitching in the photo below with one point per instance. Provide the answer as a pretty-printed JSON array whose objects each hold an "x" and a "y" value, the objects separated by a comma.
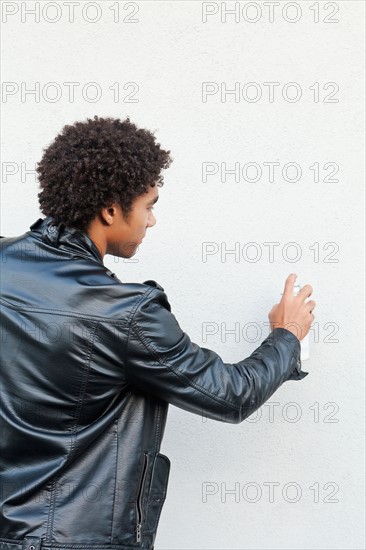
[
  {"x": 145, "y": 295},
  {"x": 129, "y": 323},
  {"x": 83, "y": 385},
  {"x": 115, "y": 477},
  {"x": 64, "y": 312},
  {"x": 50, "y": 518},
  {"x": 76, "y": 419},
  {"x": 157, "y": 422}
]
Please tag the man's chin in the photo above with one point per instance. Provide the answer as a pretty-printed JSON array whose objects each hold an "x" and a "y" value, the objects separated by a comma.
[{"x": 127, "y": 251}]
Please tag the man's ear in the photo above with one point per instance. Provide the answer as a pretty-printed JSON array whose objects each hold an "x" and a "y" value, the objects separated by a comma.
[{"x": 108, "y": 213}]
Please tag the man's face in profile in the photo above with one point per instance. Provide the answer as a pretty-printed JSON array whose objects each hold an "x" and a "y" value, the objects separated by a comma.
[{"x": 122, "y": 235}]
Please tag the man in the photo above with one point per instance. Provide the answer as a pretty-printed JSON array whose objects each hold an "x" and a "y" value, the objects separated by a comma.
[{"x": 90, "y": 364}]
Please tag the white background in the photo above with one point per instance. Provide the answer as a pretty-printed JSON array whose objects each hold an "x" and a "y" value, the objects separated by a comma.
[{"x": 168, "y": 52}]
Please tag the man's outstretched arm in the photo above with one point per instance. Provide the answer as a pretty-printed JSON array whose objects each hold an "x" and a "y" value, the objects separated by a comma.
[{"x": 162, "y": 360}]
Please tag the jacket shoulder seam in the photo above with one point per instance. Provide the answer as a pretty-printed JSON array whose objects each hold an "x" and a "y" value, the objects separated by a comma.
[
  {"x": 129, "y": 321},
  {"x": 65, "y": 312}
]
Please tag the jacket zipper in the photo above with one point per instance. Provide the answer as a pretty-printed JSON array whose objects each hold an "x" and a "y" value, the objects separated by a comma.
[{"x": 139, "y": 501}]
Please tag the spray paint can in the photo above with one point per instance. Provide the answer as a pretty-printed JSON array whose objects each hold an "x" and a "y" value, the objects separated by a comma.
[{"x": 304, "y": 343}]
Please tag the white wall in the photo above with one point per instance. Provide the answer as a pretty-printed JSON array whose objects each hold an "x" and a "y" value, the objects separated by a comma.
[{"x": 168, "y": 53}]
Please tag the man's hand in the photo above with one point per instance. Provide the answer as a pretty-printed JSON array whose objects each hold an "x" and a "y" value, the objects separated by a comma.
[{"x": 293, "y": 313}]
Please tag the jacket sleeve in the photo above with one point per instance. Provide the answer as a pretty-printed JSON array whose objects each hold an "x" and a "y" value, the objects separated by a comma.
[{"x": 161, "y": 359}]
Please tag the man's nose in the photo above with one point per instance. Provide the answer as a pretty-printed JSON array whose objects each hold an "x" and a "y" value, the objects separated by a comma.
[{"x": 152, "y": 221}]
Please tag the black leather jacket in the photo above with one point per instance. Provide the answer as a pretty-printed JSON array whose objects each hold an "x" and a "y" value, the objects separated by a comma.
[{"x": 89, "y": 365}]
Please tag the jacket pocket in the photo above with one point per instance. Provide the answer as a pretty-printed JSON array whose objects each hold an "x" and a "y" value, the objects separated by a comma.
[{"x": 157, "y": 492}]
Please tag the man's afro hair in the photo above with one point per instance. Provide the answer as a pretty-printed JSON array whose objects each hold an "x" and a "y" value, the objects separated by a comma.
[{"x": 92, "y": 164}]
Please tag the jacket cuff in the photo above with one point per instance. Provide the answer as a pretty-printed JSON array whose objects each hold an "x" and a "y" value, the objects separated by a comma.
[{"x": 288, "y": 336}]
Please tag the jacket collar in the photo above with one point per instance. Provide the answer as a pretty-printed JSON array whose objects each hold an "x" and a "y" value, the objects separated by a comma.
[{"x": 65, "y": 237}]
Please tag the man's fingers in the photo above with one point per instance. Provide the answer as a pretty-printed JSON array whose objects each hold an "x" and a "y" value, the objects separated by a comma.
[
  {"x": 305, "y": 292},
  {"x": 289, "y": 285}
]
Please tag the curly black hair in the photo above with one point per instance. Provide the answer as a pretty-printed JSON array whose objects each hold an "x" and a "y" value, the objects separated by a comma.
[{"x": 92, "y": 164}]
